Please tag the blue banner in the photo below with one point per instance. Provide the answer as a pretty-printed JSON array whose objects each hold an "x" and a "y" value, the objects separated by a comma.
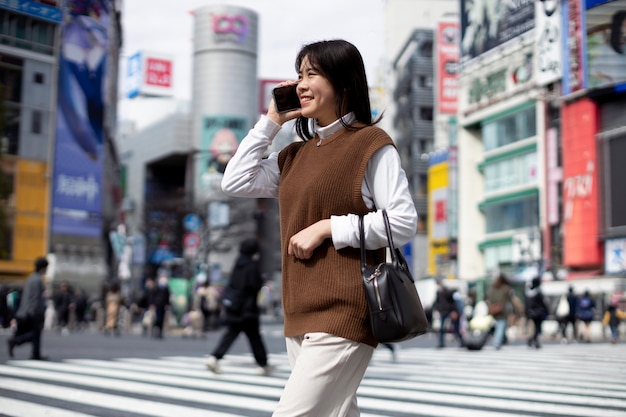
[
  {"x": 31, "y": 8},
  {"x": 77, "y": 181}
]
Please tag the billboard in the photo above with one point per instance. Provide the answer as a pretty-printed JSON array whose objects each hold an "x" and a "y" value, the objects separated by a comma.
[
  {"x": 33, "y": 8},
  {"x": 606, "y": 45},
  {"x": 149, "y": 74},
  {"x": 265, "y": 94},
  {"x": 448, "y": 62},
  {"x": 573, "y": 46},
  {"x": 77, "y": 178},
  {"x": 438, "y": 231},
  {"x": 487, "y": 24},
  {"x": 31, "y": 210},
  {"x": 581, "y": 247},
  {"x": 219, "y": 139}
]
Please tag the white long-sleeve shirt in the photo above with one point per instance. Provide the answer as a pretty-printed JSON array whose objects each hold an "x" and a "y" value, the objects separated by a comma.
[{"x": 385, "y": 186}]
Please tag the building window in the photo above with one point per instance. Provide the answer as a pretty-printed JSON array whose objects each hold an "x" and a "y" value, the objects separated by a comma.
[
  {"x": 496, "y": 256},
  {"x": 37, "y": 122},
  {"x": 513, "y": 214},
  {"x": 426, "y": 49},
  {"x": 511, "y": 172},
  {"x": 509, "y": 129},
  {"x": 426, "y": 113},
  {"x": 38, "y": 78},
  {"x": 27, "y": 33},
  {"x": 425, "y": 81}
]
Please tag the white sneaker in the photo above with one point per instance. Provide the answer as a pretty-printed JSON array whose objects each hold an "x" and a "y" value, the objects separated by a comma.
[
  {"x": 264, "y": 370},
  {"x": 212, "y": 365}
]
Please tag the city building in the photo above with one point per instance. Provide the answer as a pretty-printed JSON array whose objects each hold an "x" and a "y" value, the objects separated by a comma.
[
  {"x": 58, "y": 155},
  {"x": 539, "y": 138}
]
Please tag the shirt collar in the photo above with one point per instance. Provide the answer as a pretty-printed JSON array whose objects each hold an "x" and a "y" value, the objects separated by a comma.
[{"x": 334, "y": 127}]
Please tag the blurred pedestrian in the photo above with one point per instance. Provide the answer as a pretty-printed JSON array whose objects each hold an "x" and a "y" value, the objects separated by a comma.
[
  {"x": 343, "y": 167},
  {"x": 81, "y": 303},
  {"x": 242, "y": 310},
  {"x": 446, "y": 305},
  {"x": 112, "y": 305},
  {"x": 30, "y": 313},
  {"x": 536, "y": 310},
  {"x": 585, "y": 312},
  {"x": 612, "y": 318},
  {"x": 571, "y": 317},
  {"x": 160, "y": 304},
  {"x": 499, "y": 298},
  {"x": 207, "y": 300},
  {"x": 63, "y": 306},
  {"x": 145, "y": 304}
]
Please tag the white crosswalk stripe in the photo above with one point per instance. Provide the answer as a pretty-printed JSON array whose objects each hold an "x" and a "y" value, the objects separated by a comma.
[{"x": 557, "y": 380}]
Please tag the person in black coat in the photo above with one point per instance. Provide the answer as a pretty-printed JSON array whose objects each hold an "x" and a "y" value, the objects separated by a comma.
[
  {"x": 536, "y": 310},
  {"x": 447, "y": 308},
  {"x": 241, "y": 309}
]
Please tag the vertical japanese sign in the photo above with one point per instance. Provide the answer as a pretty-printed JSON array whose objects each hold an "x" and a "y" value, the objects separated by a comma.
[
  {"x": 448, "y": 57},
  {"x": 574, "y": 48},
  {"x": 581, "y": 209},
  {"x": 77, "y": 178},
  {"x": 547, "y": 41}
]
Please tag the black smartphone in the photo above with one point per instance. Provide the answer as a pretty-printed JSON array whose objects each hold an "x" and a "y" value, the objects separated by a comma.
[{"x": 286, "y": 98}]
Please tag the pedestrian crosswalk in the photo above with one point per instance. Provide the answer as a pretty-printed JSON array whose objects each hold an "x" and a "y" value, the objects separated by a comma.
[{"x": 558, "y": 380}]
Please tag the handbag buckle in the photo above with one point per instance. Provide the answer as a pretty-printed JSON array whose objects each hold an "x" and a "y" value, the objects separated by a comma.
[{"x": 375, "y": 274}]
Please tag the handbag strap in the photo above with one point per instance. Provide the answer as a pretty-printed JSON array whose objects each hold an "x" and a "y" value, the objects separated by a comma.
[{"x": 392, "y": 248}]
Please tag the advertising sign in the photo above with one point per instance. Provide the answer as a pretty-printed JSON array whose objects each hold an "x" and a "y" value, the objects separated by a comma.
[
  {"x": 265, "y": 94},
  {"x": 606, "y": 44},
  {"x": 77, "y": 178},
  {"x": 615, "y": 256},
  {"x": 487, "y": 24},
  {"x": 220, "y": 137},
  {"x": 581, "y": 245},
  {"x": 149, "y": 74},
  {"x": 548, "y": 41},
  {"x": 31, "y": 209},
  {"x": 573, "y": 46},
  {"x": 33, "y": 8},
  {"x": 448, "y": 62},
  {"x": 438, "y": 191}
]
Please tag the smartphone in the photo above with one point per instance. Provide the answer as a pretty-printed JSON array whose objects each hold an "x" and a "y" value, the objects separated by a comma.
[{"x": 286, "y": 98}]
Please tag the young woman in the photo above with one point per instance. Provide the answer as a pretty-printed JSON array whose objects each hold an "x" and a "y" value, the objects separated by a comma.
[{"x": 343, "y": 167}]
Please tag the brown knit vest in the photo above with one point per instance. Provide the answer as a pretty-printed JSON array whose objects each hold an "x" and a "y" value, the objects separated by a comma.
[{"x": 325, "y": 293}]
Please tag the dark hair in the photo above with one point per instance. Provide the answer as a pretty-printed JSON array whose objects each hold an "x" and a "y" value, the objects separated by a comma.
[
  {"x": 249, "y": 247},
  {"x": 616, "y": 31},
  {"x": 341, "y": 64},
  {"x": 40, "y": 263}
]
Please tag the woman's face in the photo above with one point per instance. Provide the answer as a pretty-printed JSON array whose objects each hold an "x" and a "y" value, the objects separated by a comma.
[{"x": 317, "y": 96}]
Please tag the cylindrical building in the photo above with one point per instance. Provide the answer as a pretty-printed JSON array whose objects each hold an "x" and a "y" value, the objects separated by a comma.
[{"x": 225, "y": 87}]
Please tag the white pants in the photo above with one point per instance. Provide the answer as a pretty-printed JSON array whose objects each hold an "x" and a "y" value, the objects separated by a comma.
[{"x": 326, "y": 371}]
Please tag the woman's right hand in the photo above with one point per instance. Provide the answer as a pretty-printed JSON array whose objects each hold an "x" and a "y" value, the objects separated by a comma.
[{"x": 281, "y": 118}]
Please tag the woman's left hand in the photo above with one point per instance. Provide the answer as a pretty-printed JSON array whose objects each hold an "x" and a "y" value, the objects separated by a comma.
[{"x": 302, "y": 244}]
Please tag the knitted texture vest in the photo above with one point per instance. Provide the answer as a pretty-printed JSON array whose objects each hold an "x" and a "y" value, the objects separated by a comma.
[{"x": 325, "y": 293}]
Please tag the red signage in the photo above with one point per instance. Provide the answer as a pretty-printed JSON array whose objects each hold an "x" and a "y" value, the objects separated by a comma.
[
  {"x": 582, "y": 246},
  {"x": 158, "y": 72},
  {"x": 448, "y": 55}
]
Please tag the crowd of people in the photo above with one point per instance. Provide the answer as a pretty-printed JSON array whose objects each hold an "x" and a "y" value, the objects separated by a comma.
[{"x": 528, "y": 309}]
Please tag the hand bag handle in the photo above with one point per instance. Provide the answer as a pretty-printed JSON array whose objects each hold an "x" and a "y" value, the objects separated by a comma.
[{"x": 392, "y": 248}]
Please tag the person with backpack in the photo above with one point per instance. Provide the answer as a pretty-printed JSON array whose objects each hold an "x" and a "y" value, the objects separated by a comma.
[
  {"x": 242, "y": 311},
  {"x": 585, "y": 311},
  {"x": 536, "y": 310},
  {"x": 612, "y": 317}
]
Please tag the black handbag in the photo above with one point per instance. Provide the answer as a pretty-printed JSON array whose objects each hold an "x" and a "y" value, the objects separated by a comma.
[{"x": 395, "y": 309}]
